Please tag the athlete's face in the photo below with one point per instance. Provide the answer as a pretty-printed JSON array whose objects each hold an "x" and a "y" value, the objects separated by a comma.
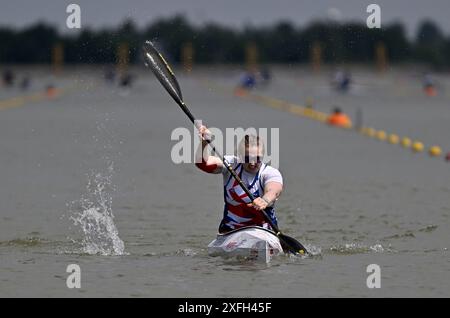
[{"x": 253, "y": 159}]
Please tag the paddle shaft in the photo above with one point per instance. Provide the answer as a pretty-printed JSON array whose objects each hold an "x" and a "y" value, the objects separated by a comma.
[
  {"x": 164, "y": 74},
  {"x": 228, "y": 166}
]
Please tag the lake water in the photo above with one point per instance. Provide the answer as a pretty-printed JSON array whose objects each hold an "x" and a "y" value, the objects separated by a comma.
[{"x": 88, "y": 179}]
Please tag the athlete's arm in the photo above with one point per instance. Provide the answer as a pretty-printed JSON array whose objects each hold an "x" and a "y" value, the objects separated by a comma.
[
  {"x": 206, "y": 163},
  {"x": 272, "y": 191}
]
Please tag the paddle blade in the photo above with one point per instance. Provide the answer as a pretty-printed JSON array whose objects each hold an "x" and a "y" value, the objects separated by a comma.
[
  {"x": 156, "y": 62},
  {"x": 291, "y": 245}
]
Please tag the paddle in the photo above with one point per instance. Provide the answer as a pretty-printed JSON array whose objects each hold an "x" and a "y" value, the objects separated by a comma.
[{"x": 156, "y": 62}]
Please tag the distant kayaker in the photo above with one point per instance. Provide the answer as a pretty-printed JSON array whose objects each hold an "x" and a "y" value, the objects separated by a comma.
[
  {"x": 339, "y": 119},
  {"x": 25, "y": 83},
  {"x": 264, "y": 181},
  {"x": 8, "y": 78},
  {"x": 247, "y": 81},
  {"x": 429, "y": 86},
  {"x": 342, "y": 81}
]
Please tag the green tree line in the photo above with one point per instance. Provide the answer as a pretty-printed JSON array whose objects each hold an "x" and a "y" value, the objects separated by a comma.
[{"x": 213, "y": 43}]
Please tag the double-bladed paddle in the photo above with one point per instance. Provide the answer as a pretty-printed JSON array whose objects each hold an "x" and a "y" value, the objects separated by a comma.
[{"x": 156, "y": 62}]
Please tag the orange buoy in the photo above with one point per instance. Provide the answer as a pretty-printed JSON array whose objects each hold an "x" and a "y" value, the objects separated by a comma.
[
  {"x": 430, "y": 91},
  {"x": 339, "y": 119},
  {"x": 51, "y": 91},
  {"x": 240, "y": 92}
]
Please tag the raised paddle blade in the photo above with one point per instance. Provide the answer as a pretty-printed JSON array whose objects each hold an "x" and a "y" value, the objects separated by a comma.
[
  {"x": 291, "y": 245},
  {"x": 156, "y": 62}
]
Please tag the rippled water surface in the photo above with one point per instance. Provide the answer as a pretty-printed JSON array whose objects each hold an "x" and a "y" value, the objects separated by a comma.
[{"x": 88, "y": 179}]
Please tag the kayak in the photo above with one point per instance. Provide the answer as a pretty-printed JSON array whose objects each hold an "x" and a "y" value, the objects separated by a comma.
[{"x": 252, "y": 243}]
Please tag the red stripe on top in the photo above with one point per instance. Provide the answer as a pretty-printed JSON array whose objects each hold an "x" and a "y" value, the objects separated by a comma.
[{"x": 244, "y": 211}]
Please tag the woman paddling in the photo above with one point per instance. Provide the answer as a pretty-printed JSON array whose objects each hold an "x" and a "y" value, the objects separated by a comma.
[{"x": 263, "y": 181}]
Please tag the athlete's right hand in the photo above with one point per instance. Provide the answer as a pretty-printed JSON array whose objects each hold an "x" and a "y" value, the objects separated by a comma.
[{"x": 204, "y": 133}]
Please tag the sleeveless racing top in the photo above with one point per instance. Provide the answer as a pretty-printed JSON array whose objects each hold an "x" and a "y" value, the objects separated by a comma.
[{"x": 236, "y": 212}]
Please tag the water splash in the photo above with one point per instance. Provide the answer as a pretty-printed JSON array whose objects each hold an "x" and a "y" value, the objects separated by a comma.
[
  {"x": 357, "y": 248},
  {"x": 314, "y": 250},
  {"x": 93, "y": 214}
]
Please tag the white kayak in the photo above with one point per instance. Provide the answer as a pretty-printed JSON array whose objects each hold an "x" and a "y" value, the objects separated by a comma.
[{"x": 252, "y": 242}]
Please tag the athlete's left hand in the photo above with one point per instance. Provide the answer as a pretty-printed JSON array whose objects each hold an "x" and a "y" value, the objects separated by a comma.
[{"x": 259, "y": 204}]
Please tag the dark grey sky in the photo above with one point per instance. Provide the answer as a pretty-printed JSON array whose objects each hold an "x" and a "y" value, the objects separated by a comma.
[{"x": 99, "y": 13}]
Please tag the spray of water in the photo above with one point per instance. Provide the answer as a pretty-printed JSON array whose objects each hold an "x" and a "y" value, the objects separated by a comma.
[{"x": 93, "y": 214}]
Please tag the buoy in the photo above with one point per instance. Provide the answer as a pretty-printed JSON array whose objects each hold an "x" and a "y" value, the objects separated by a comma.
[
  {"x": 406, "y": 142},
  {"x": 381, "y": 135},
  {"x": 371, "y": 132},
  {"x": 308, "y": 112},
  {"x": 418, "y": 146},
  {"x": 430, "y": 91},
  {"x": 51, "y": 91},
  {"x": 435, "y": 151},
  {"x": 240, "y": 92},
  {"x": 348, "y": 126},
  {"x": 323, "y": 117},
  {"x": 394, "y": 139},
  {"x": 447, "y": 157}
]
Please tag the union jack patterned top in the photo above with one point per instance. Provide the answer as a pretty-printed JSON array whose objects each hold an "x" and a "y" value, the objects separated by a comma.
[{"x": 236, "y": 212}]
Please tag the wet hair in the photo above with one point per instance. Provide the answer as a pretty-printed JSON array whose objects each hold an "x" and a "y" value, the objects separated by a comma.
[
  {"x": 337, "y": 110},
  {"x": 247, "y": 142}
]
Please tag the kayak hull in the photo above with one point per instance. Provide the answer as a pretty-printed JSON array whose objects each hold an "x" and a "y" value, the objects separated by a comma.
[{"x": 251, "y": 243}]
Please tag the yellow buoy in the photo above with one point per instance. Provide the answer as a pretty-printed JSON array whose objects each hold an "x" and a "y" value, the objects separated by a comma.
[
  {"x": 418, "y": 146},
  {"x": 406, "y": 142},
  {"x": 323, "y": 117},
  {"x": 381, "y": 135},
  {"x": 371, "y": 132},
  {"x": 435, "y": 151},
  {"x": 308, "y": 112},
  {"x": 394, "y": 139}
]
